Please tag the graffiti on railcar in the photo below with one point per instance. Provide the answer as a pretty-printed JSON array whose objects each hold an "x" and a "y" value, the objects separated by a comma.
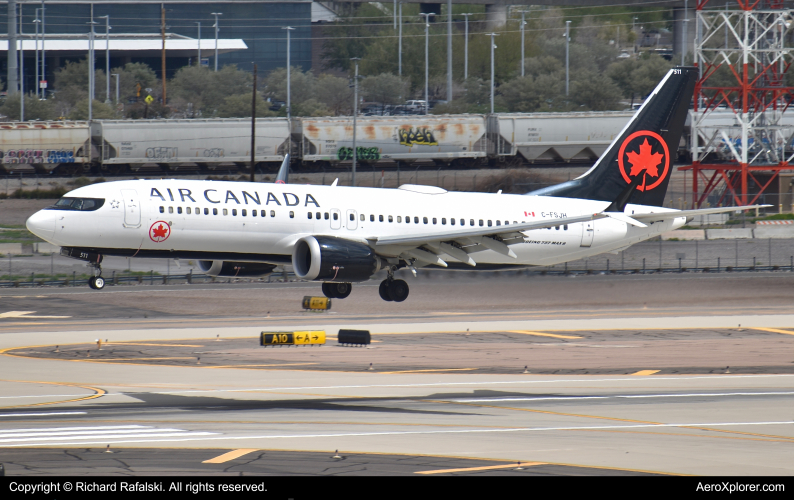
[
  {"x": 162, "y": 153},
  {"x": 36, "y": 156},
  {"x": 214, "y": 153},
  {"x": 345, "y": 153},
  {"x": 414, "y": 136}
]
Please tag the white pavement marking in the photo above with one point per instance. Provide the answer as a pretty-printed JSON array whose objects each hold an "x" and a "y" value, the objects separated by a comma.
[
  {"x": 433, "y": 384},
  {"x": 628, "y": 396},
  {"x": 78, "y": 435},
  {"x": 408, "y": 433},
  {"x": 43, "y": 414},
  {"x": 26, "y": 314}
]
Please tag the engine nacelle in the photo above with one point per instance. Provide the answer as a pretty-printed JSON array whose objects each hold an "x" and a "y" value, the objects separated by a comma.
[
  {"x": 326, "y": 258},
  {"x": 235, "y": 269}
]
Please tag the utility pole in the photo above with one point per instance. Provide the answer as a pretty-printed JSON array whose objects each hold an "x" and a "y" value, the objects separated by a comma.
[
  {"x": 683, "y": 31},
  {"x": 449, "y": 50},
  {"x": 523, "y": 23},
  {"x": 37, "y": 21},
  {"x": 198, "y": 61},
  {"x": 400, "y": 42},
  {"x": 567, "y": 42},
  {"x": 466, "y": 47},
  {"x": 117, "y": 86},
  {"x": 427, "y": 70},
  {"x": 21, "y": 69},
  {"x": 355, "y": 118},
  {"x": 289, "y": 95},
  {"x": 162, "y": 54},
  {"x": 91, "y": 67},
  {"x": 493, "y": 75},
  {"x": 107, "y": 58},
  {"x": 253, "y": 129},
  {"x": 13, "y": 70},
  {"x": 43, "y": 54},
  {"x": 216, "y": 14}
]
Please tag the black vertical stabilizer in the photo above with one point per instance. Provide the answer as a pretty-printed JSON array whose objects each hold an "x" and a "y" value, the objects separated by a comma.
[{"x": 645, "y": 148}]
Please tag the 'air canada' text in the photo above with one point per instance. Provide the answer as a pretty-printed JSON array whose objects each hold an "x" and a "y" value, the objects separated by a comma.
[{"x": 241, "y": 198}]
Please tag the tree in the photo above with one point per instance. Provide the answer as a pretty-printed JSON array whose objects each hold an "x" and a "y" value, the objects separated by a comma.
[
  {"x": 638, "y": 77},
  {"x": 205, "y": 90},
  {"x": 533, "y": 94},
  {"x": 595, "y": 92},
  {"x": 34, "y": 108},
  {"x": 302, "y": 85},
  {"x": 335, "y": 93},
  {"x": 385, "y": 89},
  {"x": 99, "y": 110},
  {"x": 239, "y": 106}
]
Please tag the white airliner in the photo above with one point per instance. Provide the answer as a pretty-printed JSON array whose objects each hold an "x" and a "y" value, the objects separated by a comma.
[{"x": 339, "y": 235}]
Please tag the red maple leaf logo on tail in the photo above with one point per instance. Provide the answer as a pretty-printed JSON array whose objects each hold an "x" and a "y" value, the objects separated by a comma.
[{"x": 645, "y": 160}]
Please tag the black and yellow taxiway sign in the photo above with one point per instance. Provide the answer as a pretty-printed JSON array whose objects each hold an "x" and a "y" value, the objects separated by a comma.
[
  {"x": 317, "y": 303},
  {"x": 293, "y": 338}
]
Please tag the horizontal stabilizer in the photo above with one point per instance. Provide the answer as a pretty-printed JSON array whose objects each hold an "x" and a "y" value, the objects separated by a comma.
[{"x": 692, "y": 213}]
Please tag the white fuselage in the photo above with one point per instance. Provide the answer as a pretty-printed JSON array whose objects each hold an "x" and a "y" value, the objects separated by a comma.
[{"x": 217, "y": 216}]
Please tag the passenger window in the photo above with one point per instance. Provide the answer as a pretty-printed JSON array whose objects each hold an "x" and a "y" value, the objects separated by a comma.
[
  {"x": 352, "y": 217},
  {"x": 489, "y": 223},
  {"x": 318, "y": 216},
  {"x": 336, "y": 216},
  {"x": 565, "y": 227},
  {"x": 272, "y": 213},
  {"x": 471, "y": 222},
  {"x": 206, "y": 211},
  {"x": 424, "y": 219},
  {"x": 498, "y": 223},
  {"x": 170, "y": 210},
  {"x": 179, "y": 210},
  {"x": 214, "y": 211},
  {"x": 481, "y": 222},
  {"x": 372, "y": 218},
  {"x": 451, "y": 221},
  {"x": 263, "y": 213},
  {"x": 443, "y": 222},
  {"x": 162, "y": 210},
  {"x": 380, "y": 218},
  {"x": 399, "y": 218},
  {"x": 234, "y": 212},
  {"x": 463, "y": 222},
  {"x": 198, "y": 211},
  {"x": 245, "y": 212},
  {"x": 188, "y": 210},
  {"x": 507, "y": 223},
  {"x": 407, "y": 220},
  {"x": 557, "y": 228},
  {"x": 391, "y": 219},
  {"x": 326, "y": 215},
  {"x": 362, "y": 217},
  {"x": 309, "y": 215},
  {"x": 291, "y": 214},
  {"x": 416, "y": 220},
  {"x": 253, "y": 213},
  {"x": 225, "y": 211}
]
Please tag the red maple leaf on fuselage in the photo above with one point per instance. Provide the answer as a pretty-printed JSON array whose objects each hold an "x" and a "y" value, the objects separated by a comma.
[
  {"x": 160, "y": 231},
  {"x": 645, "y": 160}
]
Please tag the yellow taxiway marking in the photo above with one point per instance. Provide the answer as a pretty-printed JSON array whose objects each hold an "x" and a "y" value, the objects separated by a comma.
[
  {"x": 278, "y": 364},
  {"x": 487, "y": 467},
  {"x": 117, "y": 344},
  {"x": 229, "y": 456},
  {"x": 142, "y": 359},
  {"x": 26, "y": 314},
  {"x": 97, "y": 393},
  {"x": 432, "y": 370},
  {"x": 646, "y": 372},
  {"x": 775, "y": 330},
  {"x": 539, "y": 334}
]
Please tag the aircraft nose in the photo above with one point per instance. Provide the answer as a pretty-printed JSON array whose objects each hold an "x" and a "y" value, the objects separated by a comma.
[{"x": 42, "y": 224}]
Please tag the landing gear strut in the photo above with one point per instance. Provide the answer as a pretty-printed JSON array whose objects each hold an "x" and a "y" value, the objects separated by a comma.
[
  {"x": 96, "y": 282},
  {"x": 337, "y": 290},
  {"x": 393, "y": 290}
]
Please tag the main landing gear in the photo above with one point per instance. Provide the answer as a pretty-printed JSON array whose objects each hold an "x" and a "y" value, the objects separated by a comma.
[
  {"x": 96, "y": 282},
  {"x": 337, "y": 290},
  {"x": 392, "y": 290}
]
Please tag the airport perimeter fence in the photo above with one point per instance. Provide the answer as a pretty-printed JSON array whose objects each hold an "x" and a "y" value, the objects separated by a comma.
[{"x": 140, "y": 279}]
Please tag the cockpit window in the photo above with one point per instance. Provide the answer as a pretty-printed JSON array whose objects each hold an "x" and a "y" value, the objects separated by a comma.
[{"x": 79, "y": 204}]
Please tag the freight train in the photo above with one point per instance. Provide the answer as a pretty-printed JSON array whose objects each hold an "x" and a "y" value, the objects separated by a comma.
[{"x": 118, "y": 147}]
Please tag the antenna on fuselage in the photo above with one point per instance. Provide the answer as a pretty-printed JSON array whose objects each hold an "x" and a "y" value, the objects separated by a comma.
[{"x": 283, "y": 171}]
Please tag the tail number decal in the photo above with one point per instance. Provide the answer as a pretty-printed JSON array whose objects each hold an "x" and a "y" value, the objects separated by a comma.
[
  {"x": 645, "y": 150},
  {"x": 160, "y": 231}
]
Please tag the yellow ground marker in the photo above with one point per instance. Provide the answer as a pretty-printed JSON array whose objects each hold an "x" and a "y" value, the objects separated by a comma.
[
  {"x": 646, "y": 372},
  {"x": 226, "y": 457},
  {"x": 539, "y": 334},
  {"x": 145, "y": 359},
  {"x": 278, "y": 364},
  {"x": 432, "y": 370},
  {"x": 775, "y": 330},
  {"x": 487, "y": 467}
]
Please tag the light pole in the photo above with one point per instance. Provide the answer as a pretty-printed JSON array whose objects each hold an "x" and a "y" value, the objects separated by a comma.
[
  {"x": 633, "y": 21},
  {"x": 493, "y": 46},
  {"x": 117, "y": 86},
  {"x": 567, "y": 41},
  {"x": 198, "y": 63},
  {"x": 43, "y": 54},
  {"x": 216, "y": 14},
  {"x": 427, "y": 67},
  {"x": 355, "y": 117},
  {"x": 523, "y": 23},
  {"x": 91, "y": 67},
  {"x": 400, "y": 41},
  {"x": 449, "y": 50},
  {"x": 683, "y": 31},
  {"x": 107, "y": 58},
  {"x": 21, "y": 69},
  {"x": 466, "y": 47},
  {"x": 289, "y": 96},
  {"x": 13, "y": 68},
  {"x": 37, "y": 21}
]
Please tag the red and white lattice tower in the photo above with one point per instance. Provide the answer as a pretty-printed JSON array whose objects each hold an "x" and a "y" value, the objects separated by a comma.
[{"x": 742, "y": 128}]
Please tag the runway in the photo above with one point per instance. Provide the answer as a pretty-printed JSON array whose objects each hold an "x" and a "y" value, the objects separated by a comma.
[{"x": 624, "y": 375}]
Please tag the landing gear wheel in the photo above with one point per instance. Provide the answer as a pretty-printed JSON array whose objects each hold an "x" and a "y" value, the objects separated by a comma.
[
  {"x": 398, "y": 290},
  {"x": 383, "y": 290},
  {"x": 91, "y": 283},
  {"x": 99, "y": 283},
  {"x": 342, "y": 290},
  {"x": 328, "y": 290}
]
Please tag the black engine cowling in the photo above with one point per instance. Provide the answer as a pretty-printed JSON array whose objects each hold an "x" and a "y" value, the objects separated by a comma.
[
  {"x": 325, "y": 258},
  {"x": 235, "y": 269}
]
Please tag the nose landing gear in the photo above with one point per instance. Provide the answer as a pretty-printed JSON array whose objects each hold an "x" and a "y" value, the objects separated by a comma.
[{"x": 96, "y": 282}]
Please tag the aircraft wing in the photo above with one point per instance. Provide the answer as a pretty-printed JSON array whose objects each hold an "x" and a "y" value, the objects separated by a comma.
[{"x": 459, "y": 243}]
